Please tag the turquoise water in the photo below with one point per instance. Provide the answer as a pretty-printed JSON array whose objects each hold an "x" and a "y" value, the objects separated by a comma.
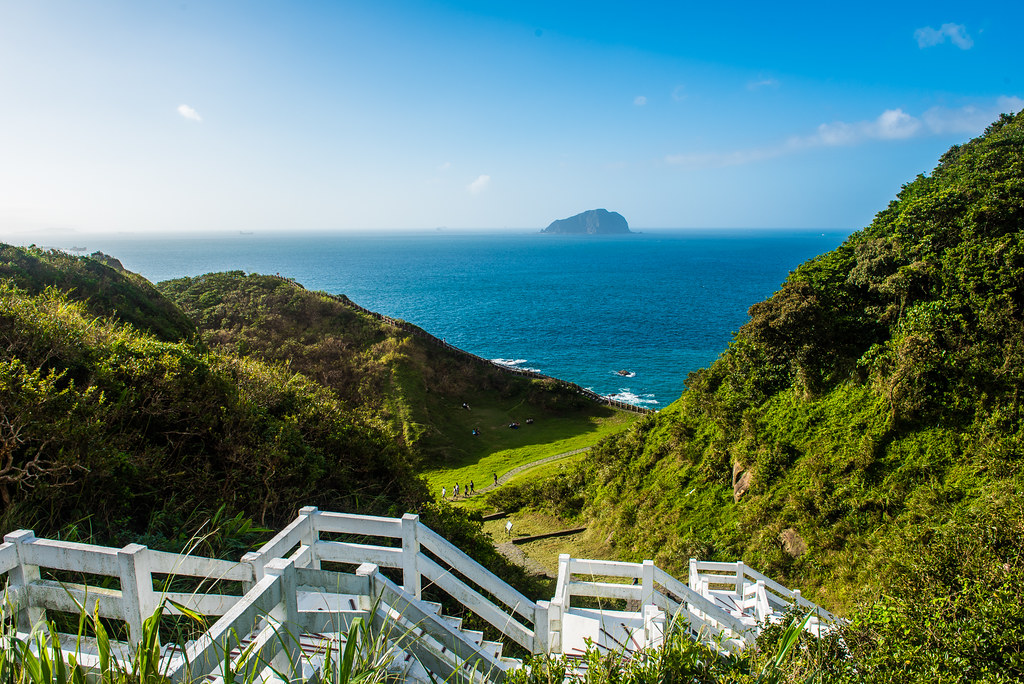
[{"x": 659, "y": 304}]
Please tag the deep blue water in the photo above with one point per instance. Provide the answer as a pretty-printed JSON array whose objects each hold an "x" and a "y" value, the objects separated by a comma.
[{"x": 659, "y": 304}]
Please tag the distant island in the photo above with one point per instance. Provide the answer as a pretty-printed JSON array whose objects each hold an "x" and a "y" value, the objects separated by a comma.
[{"x": 592, "y": 222}]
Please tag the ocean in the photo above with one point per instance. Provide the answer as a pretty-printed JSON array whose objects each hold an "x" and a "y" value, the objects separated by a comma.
[{"x": 656, "y": 305}]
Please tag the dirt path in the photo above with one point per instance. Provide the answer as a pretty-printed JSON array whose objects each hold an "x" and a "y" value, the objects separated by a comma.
[
  {"x": 526, "y": 466},
  {"x": 516, "y": 555}
]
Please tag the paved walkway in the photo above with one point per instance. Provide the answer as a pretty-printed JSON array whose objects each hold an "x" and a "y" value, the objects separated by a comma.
[{"x": 526, "y": 466}]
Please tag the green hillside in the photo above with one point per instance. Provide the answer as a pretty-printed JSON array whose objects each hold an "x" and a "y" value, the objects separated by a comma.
[
  {"x": 122, "y": 435},
  {"x": 406, "y": 382},
  {"x": 863, "y": 431},
  {"x": 99, "y": 281},
  {"x": 118, "y": 425}
]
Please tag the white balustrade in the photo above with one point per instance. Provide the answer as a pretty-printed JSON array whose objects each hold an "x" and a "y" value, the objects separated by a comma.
[{"x": 721, "y": 603}]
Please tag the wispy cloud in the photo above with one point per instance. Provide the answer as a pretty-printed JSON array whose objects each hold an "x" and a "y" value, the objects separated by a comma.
[
  {"x": 189, "y": 113},
  {"x": 970, "y": 119},
  {"x": 762, "y": 83},
  {"x": 955, "y": 33},
  {"x": 480, "y": 184},
  {"x": 890, "y": 125},
  {"x": 444, "y": 167},
  {"x": 640, "y": 100},
  {"x": 679, "y": 93}
]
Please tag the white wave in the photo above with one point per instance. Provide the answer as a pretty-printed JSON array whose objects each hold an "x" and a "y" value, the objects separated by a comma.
[
  {"x": 624, "y": 374},
  {"x": 515, "y": 363},
  {"x": 627, "y": 397},
  {"x": 508, "y": 362}
]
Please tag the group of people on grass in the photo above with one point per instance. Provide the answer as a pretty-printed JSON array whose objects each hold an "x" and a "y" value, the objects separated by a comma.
[
  {"x": 467, "y": 490},
  {"x": 470, "y": 489}
]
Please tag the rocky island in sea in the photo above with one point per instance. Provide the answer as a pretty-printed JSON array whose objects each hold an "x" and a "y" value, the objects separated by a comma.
[{"x": 592, "y": 222}]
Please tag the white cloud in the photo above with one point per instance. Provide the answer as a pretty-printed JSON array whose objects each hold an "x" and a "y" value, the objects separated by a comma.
[
  {"x": 956, "y": 33},
  {"x": 445, "y": 166},
  {"x": 970, "y": 119},
  {"x": 679, "y": 93},
  {"x": 717, "y": 160},
  {"x": 892, "y": 124},
  {"x": 480, "y": 184},
  {"x": 189, "y": 113},
  {"x": 639, "y": 100}
]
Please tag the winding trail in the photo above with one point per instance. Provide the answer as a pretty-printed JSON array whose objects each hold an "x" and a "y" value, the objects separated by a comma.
[{"x": 532, "y": 464}]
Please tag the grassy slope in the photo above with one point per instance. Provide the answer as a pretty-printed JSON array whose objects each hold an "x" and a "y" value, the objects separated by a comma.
[
  {"x": 383, "y": 372},
  {"x": 874, "y": 403},
  {"x": 105, "y": 291},
  {"x": 508, "y": 449},
  {"x": 110, "y": 434},
  {"x": 129, "y": 435}
]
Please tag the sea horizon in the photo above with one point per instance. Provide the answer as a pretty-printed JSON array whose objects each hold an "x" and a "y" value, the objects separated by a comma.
[{"x": 656, "y": 303}]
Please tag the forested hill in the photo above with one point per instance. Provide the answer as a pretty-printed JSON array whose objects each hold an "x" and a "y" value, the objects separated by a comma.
[
  {"x": 386, "y": 374},
  {"x": 105, "y": 291},
  {"x": 108, "y": 432},
  {"x": 864, "y": 428}
]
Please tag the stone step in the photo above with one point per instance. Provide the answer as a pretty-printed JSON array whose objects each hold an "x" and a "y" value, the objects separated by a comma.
[
  {"x": 432, "y": 606},
  {"x": 453, "y": 622},
  {"x": 473, "y": 635},
  {"x": 493, "y": 647}
]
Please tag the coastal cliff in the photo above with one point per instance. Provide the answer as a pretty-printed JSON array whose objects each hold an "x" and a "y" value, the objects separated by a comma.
[{"x": 592, "y": 222}]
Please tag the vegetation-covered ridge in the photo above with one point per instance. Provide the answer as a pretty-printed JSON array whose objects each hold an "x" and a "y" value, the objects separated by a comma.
[
  {"x": 118, "y": 424},
  {"x": 126, "y": 435},
  {"x": 398, "y": 377},
  {"x": 863, "y": 431}
]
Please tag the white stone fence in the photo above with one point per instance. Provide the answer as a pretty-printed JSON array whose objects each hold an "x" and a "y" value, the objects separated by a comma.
[
  {"x": 723, "y": 604},
  {"x": 261, "y": 596},
  {"x": 423, "y": 556}
]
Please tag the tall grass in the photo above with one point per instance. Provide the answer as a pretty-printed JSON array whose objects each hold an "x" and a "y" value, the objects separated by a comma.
[{"x": 43, "y": 657}]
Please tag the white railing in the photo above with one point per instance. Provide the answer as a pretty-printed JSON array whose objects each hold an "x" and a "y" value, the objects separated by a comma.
[
  {"x": 724, "y": 604},
  {"x": 511, "y": 613}
]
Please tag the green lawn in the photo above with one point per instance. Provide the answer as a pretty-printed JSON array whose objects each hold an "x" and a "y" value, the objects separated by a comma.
[{"x": 545, "y": 437}]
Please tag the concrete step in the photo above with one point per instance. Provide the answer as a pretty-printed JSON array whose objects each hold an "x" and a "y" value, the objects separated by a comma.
[
  {"x": 494, "y": 648},
  {"x": 453, "y": 622},
  {"x": 473, "y": 635}
]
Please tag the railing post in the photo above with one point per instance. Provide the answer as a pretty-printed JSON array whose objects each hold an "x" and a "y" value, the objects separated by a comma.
[
  {"x": 312, "y": 536},
  {"x": 761, "y": 603},
  {"x": 654, "y": 626},
  {"x": 20, "y": 577},
  {"x": 286, "y": 614},
  {"x": 255, "y": 561},
  {"x": 741, "y": 580},
  {"x": 556, "y": 613},
  {"x": 692, "y": 580},
  {"x": 542, "y": 628},
  {"x": 410, "y": 555},
  {"x": 796, "y": 598},
  {"x": 369, "y": 571},
  {"x": 137, "y": 601},
  {"x": 646, "y": 585},
  {"x": 564, "y": 578}
]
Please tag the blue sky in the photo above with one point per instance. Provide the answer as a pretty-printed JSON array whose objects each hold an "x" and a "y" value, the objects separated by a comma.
[{"x": 156, "y": 117}]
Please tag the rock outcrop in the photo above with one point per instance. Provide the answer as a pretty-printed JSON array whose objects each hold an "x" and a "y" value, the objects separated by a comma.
[{"x": 592, "y": 222}]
